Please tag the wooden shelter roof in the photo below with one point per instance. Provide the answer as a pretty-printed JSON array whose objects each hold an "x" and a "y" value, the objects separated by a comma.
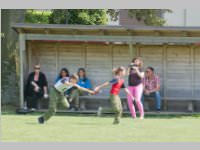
[{"x": 106, "y": 30}]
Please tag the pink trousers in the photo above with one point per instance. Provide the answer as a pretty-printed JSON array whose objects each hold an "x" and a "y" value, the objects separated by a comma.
[{"x": 136, "y": 91}]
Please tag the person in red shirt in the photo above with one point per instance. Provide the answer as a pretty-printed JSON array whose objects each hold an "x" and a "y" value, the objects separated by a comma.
[{"x": 117, "y": 83}]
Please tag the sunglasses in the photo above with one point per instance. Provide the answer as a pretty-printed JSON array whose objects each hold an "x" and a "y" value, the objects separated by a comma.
[{"x": 37, "y": 68}]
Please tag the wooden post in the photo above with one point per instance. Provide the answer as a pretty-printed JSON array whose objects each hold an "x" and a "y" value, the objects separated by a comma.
[
  {"x": 131, "y": 50},
  {"x": 21, "y": 84},
  {"x": 193, "y": 68},
  {"x": 84, "y": 52},
  {"x": 30, "y": 65},
  {"x": 164, "y": 75},
  {"x": 57, "y": 47}
]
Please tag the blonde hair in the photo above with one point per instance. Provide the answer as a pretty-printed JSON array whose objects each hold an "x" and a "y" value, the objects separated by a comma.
[
  {"x": 140, "y": 60},
  {"x": 118, "y": 70},
  {"x": 74, "y": 76}
]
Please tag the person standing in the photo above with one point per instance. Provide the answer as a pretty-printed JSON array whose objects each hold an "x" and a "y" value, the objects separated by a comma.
[
  {"x": 151, "y": 84},
  {"x": 117, "y": 83},
  {"x": 36, "y": 88},
  {"x": 135, "y": 86}
]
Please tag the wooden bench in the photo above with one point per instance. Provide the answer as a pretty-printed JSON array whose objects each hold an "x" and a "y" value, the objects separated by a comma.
[
  {"x": 165, "y": 100},
  {"x": 84, "y": 100}
]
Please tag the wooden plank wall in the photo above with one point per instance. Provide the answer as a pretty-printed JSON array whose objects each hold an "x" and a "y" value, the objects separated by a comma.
[
  {"x": 121, "y": 57},
  {"x": 177, "y": 66},
  {"x": 71, "y": 57},
  {"x": 197, "y": 72},
  {"x": 99, "y": 64},
  {"x": 44, "y": 54},
  {"x": 179, "y": 72}
]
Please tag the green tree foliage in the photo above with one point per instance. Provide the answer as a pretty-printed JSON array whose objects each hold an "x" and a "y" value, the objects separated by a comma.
[
  {"x": 151, "y": 17},
  {"x": 78, "y": 16},
  {"x": 67, "y": 16},
  {"x": 37, "y": 16}
]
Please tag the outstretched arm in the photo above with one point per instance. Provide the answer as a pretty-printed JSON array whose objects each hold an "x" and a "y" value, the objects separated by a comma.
[
  {"x": 101, "y": 86},
  {"x": 83, "y": 89}
]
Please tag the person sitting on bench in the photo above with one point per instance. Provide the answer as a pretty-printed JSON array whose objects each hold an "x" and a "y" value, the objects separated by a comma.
[{"x": 151, "y": 84}]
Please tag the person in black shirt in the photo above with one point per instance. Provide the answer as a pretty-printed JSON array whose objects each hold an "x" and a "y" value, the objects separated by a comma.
[{"x": 36, "y": 88}]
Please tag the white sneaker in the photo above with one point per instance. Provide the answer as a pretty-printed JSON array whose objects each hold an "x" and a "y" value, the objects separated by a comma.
[{"x": 99, "y": 112}]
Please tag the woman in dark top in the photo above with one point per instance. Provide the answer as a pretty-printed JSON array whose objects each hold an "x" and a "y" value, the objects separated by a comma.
[
  {"x": 36, "y": 87},
  {"x": 135, "y": 86}
]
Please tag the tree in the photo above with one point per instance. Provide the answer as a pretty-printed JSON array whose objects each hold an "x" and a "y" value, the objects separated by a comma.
[
  {"x": 78, "y": 16},
  {"x": 152, "y": 17},
  {"x": 37, "y": 16},
  {"x": 10, "y": 55}
]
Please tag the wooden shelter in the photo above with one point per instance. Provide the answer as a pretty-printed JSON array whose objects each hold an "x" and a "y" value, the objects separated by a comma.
[{"x": 174, "y": 52}]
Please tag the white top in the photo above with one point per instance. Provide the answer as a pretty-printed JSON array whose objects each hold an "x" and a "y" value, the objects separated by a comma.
[{"x": 61, "y": 86}]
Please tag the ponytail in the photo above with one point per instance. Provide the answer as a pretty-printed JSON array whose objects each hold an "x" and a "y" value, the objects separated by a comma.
[{"x": 118, "y": 70}]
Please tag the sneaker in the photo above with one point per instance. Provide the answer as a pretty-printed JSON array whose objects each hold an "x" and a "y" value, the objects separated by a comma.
[
  {"x": 33, "y": 109},
  {"x": 72, "y": 109},
  {"x": 141, "y": 117},
  {"x": 41, "y": 120},
  {"x": 76, "y": 109},
  {"x": 99, "y": 112}
]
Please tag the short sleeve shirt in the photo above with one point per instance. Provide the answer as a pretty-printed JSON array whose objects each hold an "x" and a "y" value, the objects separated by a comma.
[
  {"x": 133, "y": 78},
  {"x": 117, "y": 84},
  {"x": 151, "y": 84}
]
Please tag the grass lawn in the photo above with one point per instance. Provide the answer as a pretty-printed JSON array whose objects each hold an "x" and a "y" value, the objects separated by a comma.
[{"x": 94, "y": 129}]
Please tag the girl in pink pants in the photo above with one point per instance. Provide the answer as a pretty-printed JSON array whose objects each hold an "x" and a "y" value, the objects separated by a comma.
[{"x": 135, "y": 86}]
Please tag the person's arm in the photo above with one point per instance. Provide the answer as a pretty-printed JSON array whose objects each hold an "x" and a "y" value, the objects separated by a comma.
[
  {"x": 45, "y": 91},
  {"x": 36, "y": 87},
  {"x": 157, "y": 86},
  {"x": 140, "y": 74},
  {"x": 101, "y": 86},
  {"x": 83, "y": 89},
  {"x": 45, "y": 84},
  {"x": 128, "y": 71}
]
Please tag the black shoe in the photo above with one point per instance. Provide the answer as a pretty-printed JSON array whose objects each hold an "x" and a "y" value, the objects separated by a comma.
[
  {"x": 76, "y": 109},
  {"x": 158, "y": 110},
  {"x": 41, "y": 120}
]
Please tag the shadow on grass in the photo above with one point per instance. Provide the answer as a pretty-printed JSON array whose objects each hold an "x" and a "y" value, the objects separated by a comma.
[
  {"x": 32, "y": 123},
  {"x": 125, "y": 115}
]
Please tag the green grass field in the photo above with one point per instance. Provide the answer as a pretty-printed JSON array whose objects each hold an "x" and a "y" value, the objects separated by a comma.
[{"x": 95, "y": 129}]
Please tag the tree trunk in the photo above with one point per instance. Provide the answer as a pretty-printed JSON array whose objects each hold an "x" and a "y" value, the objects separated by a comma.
[{"x": 10, "y": 55}]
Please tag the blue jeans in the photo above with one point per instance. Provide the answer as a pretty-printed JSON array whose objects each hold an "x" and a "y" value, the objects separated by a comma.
[{"x": 156, "y": 96}]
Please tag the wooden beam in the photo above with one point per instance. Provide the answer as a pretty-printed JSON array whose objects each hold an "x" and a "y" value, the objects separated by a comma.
[
  {"x": 157, "y": 33},
  {"x": 29, "y": 57},
  {"x": 134, "y": 39},
  {"x": 131, "y": 50},
  {"x": 192, "y": 58},
  {"x": 164, "y": 74},
  {"x": 22, "y": 47}
]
